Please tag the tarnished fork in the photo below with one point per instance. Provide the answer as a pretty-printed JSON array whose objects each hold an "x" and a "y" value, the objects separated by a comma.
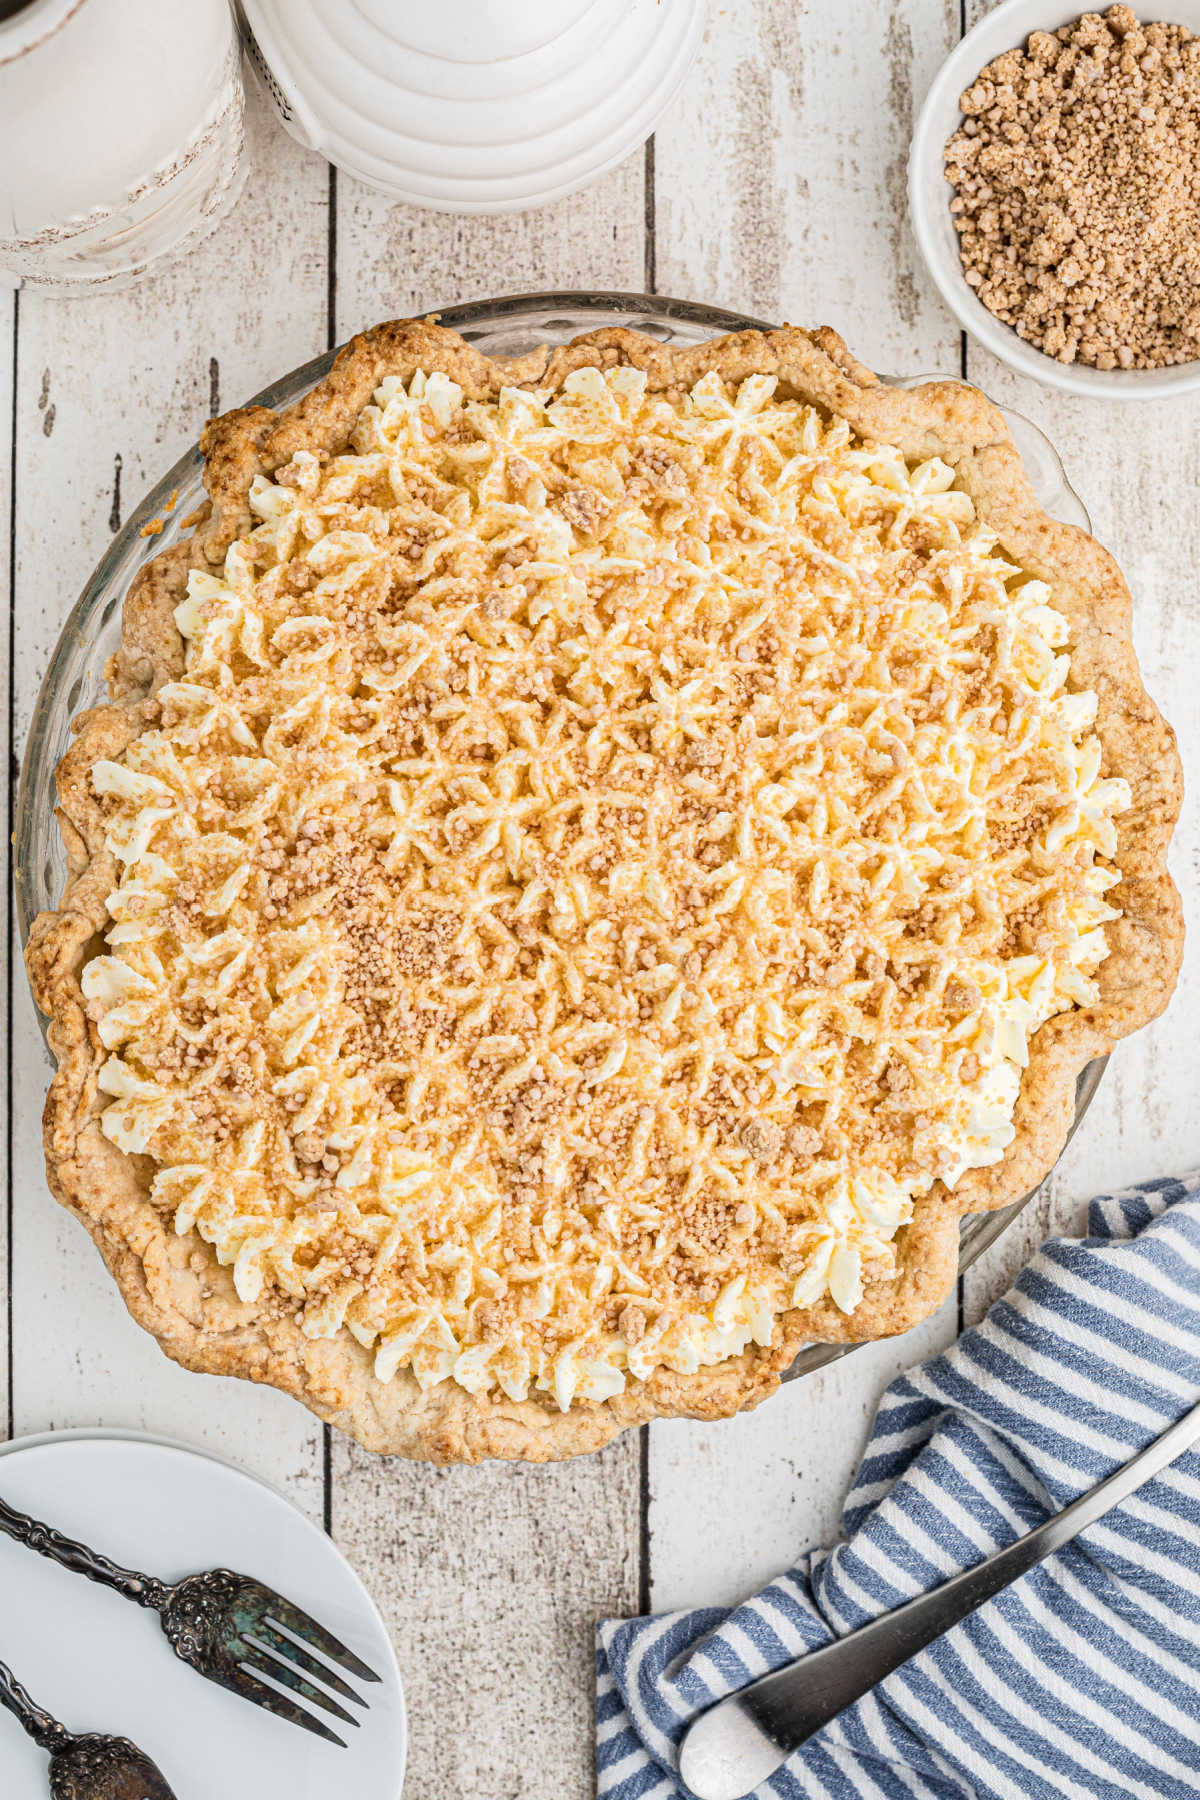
[{"x": 234, "y": 1630}]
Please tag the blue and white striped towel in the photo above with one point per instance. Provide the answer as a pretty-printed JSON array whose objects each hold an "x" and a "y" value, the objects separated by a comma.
[{"x": 1081, "y": 1680}]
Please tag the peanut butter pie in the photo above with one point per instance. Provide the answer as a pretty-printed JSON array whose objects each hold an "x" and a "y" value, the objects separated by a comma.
[{"x": 591, "y": 866}]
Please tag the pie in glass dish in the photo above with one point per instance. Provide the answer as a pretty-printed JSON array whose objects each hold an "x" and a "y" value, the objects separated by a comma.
[{"x": 591, "y": 866}]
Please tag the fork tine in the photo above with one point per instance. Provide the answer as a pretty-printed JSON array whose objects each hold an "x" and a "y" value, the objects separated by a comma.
[
  {"x": 302, "y": 1626},
  {"x": 271, "y": 1702},
  {"x": 288, "y": 1651},
  {"x": 263, "y": 1663}
]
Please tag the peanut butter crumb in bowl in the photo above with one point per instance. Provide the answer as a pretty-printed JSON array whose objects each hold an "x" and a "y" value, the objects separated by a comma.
[{"x": 1054, "y": 185}]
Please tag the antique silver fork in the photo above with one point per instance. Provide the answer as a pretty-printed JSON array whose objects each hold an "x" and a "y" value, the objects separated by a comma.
[
  {"x": 728, "y": 1750},
  {"x": 84, "y": 1765},
  {"x": 228, "y": 1627}
]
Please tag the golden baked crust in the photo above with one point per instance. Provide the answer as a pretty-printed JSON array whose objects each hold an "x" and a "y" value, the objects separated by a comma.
[{"x": 175, "y": 1286}]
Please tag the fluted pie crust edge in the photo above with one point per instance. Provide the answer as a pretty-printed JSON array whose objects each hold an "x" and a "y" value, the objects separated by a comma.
[{"x": 175, "y": 1287}]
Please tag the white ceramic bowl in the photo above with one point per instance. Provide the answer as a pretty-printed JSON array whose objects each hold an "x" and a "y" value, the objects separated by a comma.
[{"x": 929, "y": 195}]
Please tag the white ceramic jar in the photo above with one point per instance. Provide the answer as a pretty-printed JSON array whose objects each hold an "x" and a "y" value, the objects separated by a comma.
[
  {"x": 473, "y": 106},
  {"x": 120, "y": 135}
]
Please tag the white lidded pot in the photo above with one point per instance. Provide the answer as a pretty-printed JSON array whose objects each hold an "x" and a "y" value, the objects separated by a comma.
[
  {"x": 473, "y": 106},
  {"x": 120, "y": 134}
]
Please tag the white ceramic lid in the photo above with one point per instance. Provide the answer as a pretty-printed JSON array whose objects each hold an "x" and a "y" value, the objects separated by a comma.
[{"x": 474, "y": 105}]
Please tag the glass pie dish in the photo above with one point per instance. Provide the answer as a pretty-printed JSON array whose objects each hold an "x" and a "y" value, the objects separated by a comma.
[{"x": 74, "y": 680}]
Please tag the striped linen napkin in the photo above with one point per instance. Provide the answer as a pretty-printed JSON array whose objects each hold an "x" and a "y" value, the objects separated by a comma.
[{"x": 1080, "y": 1680}]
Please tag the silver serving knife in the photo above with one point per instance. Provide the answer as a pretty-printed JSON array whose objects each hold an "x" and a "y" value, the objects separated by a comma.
[{"x": 739, "y": 1742}]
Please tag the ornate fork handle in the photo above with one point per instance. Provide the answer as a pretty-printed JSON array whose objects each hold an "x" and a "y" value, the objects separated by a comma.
[
  {"x": 44, "y": 1730},
  {"x": 81, "y": 1560}
]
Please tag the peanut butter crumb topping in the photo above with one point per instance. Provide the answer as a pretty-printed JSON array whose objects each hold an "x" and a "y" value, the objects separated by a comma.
[{"x": 603, "y": 860}]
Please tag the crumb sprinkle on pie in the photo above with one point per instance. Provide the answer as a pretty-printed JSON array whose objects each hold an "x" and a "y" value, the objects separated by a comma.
[{"x": 601, "y": 863}]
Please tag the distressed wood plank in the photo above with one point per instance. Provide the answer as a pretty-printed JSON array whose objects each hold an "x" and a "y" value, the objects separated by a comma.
[
  {"x": 780, "y": 173},
  {"x": 111, "y": 389},
  {"x": 394, "y": 260},
  {"x": 802, "y": 129},
  {"x": 735, "y": 1502},
  {"x": 8, "y": 317},
  {"x": 490, "y": 1578}
]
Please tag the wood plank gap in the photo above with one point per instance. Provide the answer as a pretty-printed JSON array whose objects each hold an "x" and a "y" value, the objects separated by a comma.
[
  {"x": 12, "y": 788},
  {"x": 648, "y": 203},
  {"x": 960, "y": 1293},
  {"x": 114, "y": 511},
  {"x": 650, "y": 277},
  {"x": 331, "y": 238},
  {"x": 644, "y": 1559},
  {"x": 331, "y": 262}
]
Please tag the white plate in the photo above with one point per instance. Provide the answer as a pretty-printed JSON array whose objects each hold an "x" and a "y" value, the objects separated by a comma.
[{"x": 101, "y": 1664}]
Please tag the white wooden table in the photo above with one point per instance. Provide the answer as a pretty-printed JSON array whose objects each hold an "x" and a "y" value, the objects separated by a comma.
[{"x": 775, "y": 186}]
